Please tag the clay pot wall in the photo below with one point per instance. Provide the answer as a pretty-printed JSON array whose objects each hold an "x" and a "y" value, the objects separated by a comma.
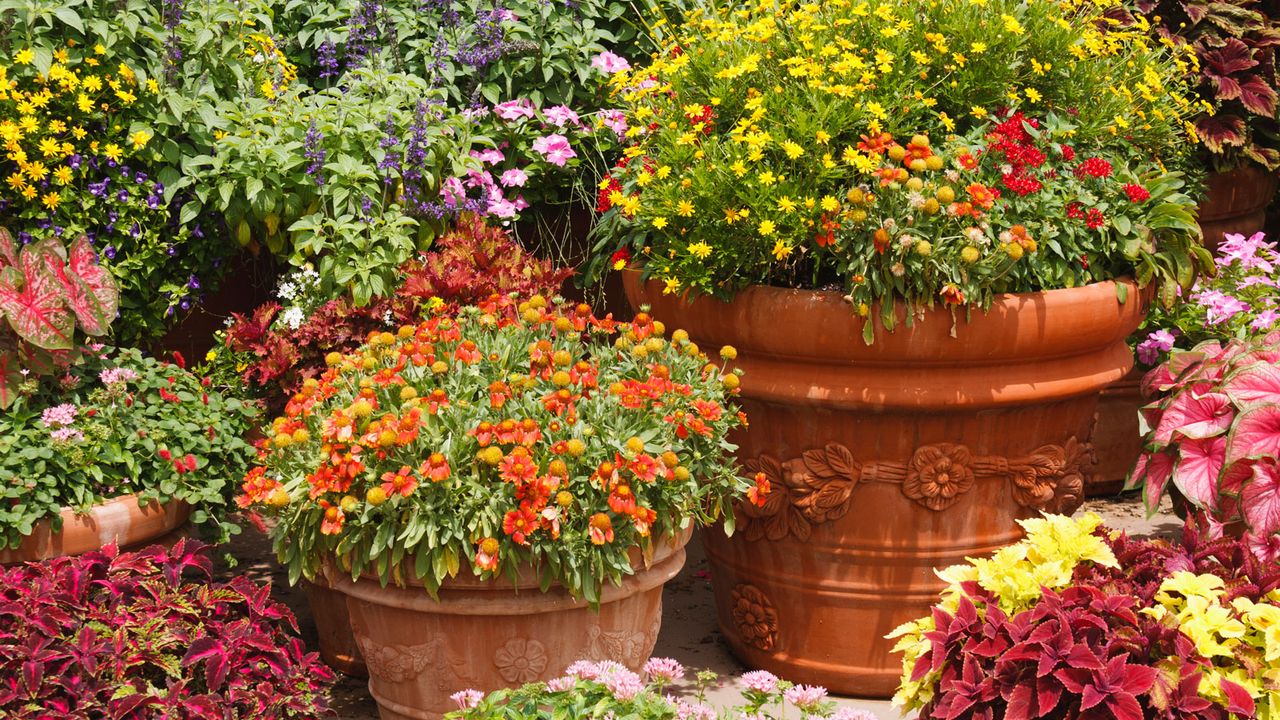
[
  {"x": 119, "y": 520},
  {"x": 1237, "y": 203},
  {"x": 890, "y": 460},
  {"x": 488, "y": 635}
]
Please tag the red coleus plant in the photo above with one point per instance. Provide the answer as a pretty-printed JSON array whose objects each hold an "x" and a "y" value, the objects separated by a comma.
[
  {"x": 140, "y": 635},
  {"x": 1235, "y": 44},
  {"x": 47, "y": 291},
  {"x": 468, "y": 264},
  {"x": 1215, "y": 434},
  {"x": 1089, "y": 650}
]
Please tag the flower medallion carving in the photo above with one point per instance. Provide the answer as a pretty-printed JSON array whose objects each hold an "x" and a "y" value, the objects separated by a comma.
[
  {"x": 819, "y": 486},
  {"x": 521, "y": 660},
  {"x": 755, "y": 617}
]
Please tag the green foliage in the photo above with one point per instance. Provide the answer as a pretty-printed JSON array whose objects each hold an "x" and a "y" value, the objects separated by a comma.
[{"x": 136, "y": 425}]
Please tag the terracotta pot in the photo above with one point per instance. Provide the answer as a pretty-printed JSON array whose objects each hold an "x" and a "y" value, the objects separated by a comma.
[
  {"x": 889, "y": 460},
  {"x": 1117, "y": 438},
  {"x": 1237, "y": 203},
  {"x": 338, "y": 647},
  {"x": 119, "y": 520},
  {"x": 490, "y": 635}
]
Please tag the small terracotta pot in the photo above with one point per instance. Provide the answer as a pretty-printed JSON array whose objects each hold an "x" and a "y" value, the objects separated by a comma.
[
  {"x": 1237, "y": 203},
  {"x": 489, "y": 635},
  {"x": 890, "y": 460},
  {"x": 1117, "y": 438},
  {"x": 338, "y": 647},
  {"x": 119, "y": 520}
]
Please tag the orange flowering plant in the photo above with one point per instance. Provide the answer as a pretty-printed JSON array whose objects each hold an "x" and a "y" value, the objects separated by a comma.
[
  {"x": 926, "y": 152},
  {"x": 502, "y": 436}
]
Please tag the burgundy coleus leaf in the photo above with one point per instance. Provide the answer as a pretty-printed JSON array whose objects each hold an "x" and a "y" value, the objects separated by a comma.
[
  {"x": 91, "y": 291},
  {"x": 1229, "y": 58},
  {"x": 1220, "y": 131},
  {"x": 1257, "y": 96},
  {"x": 33, "y": 300},
  {"x": 213, "y": 654},
  {"x": 1239, "y": 701},
  {"x": 1114, "y": 688}
]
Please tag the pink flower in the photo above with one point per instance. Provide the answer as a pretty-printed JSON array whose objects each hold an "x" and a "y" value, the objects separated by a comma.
[
  {"x": 805, "y": 697},
  {"x": 560, "y": 116},
  {"x": 664, "y": 669},
  {"x": 453, "y": 192},
  {"x": 555, "y": 148},
  {"x": 608, "y": 63},
  {"x": 584, "y": 670},
  {"x": 467, "y": 699},
  {"x": 501, "y": 207},
  {"x": 515, "y": 109},
  {"x": 111, "y": 376},
  {"x": 562, "y": 684},
  {"x": 761, "y": 681},
  {"x": 694, "y": 711},
  {"x": 1149, "y": 350},
  {"x": 1220, "y": 307},
  {"x": 491, "y": 156},
  {"x": 67, "y": 434},
  {"x": 515, "y": 177},
  {"x": 1264, "y": 320},
  {"x": 623, "y": 683},
  {"x": 60, "y": 415},
  {"x": 847, "y": 714},
  {"x": 615, "y": 120},
  {"x": 1265, "y": 547}
]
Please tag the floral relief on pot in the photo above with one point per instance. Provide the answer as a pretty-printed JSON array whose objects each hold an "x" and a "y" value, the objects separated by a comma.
[
  {"x": 818, "y": 486},
  {"x": 520, "y": 660},
  {"x": 630, "y": 648},
  {"x": 755, "y": 617}
]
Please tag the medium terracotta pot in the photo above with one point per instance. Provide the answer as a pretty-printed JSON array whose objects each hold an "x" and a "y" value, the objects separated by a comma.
[
  {"x": 119, "y": 520},
  {"x": 1237, "y": 203},
  {"x": 1117, "y": 438},
  {"x": 489, "y": 635},
  {"x": 887, "y": 461},
  {"x": 338, "y": 647}
]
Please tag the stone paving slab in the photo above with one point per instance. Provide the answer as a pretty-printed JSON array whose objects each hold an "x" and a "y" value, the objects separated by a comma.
[{"x": 689, "y": 632}]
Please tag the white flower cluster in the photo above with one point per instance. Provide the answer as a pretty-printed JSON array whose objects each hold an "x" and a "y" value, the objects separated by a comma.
[{"x": 299, "y": 292}]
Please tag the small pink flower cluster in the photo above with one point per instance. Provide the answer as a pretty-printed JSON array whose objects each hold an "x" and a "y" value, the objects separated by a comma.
[
  {"x": 113, "y": 376},
  {"x": 59, "y": 415},
  {"x": 67, "y": 435}
]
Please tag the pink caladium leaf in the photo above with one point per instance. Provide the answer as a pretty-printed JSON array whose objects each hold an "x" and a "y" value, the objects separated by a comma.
[
  {"x": 8, "y": 252},
  {"x": 1194, "y": 415},
  {"x": 1152, "y": 471},
  {"x": 1256, "y": 434},
  {"x": 32, "y": 299},
  {"x": 1199, "y": 465},
  {"x": 1261, "y": 498},
  {"x": 1253, "y": 384},
  {"x": 91, "y": 291}
]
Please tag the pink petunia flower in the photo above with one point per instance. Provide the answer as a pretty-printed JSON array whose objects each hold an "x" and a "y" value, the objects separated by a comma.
[
  {"x": 560, "y": 116},
  {"x": 515, "y": 109},
  {"x": 608, "y": 63}
]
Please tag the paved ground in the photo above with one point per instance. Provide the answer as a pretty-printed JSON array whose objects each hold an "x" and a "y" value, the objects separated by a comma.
[{"x": 688, "y": 631}]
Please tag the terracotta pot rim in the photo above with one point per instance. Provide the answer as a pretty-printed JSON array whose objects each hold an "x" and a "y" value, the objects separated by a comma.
[
  {"x": 39, "y": 543},
  {"x": 463, "y": 595}
]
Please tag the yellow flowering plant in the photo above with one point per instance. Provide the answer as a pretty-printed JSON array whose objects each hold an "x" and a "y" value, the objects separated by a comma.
[
  {"x": 1074, "y": 621},
  {"x": 925, "y": 151}
]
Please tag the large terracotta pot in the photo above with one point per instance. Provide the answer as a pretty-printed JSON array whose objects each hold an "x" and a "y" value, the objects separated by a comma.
[
  {"x": 1117, "y": 439},
  {"x": 119, "y": 521},
  {"x": 1237, "y": 203},
  {"x": 490, "y": 635},
  {"x": 887, "y": 461},
  {"x": 338, "y": 647}
]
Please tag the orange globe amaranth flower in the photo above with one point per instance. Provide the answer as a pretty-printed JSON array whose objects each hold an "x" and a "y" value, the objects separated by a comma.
[{"x": 600, "y": 528}]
